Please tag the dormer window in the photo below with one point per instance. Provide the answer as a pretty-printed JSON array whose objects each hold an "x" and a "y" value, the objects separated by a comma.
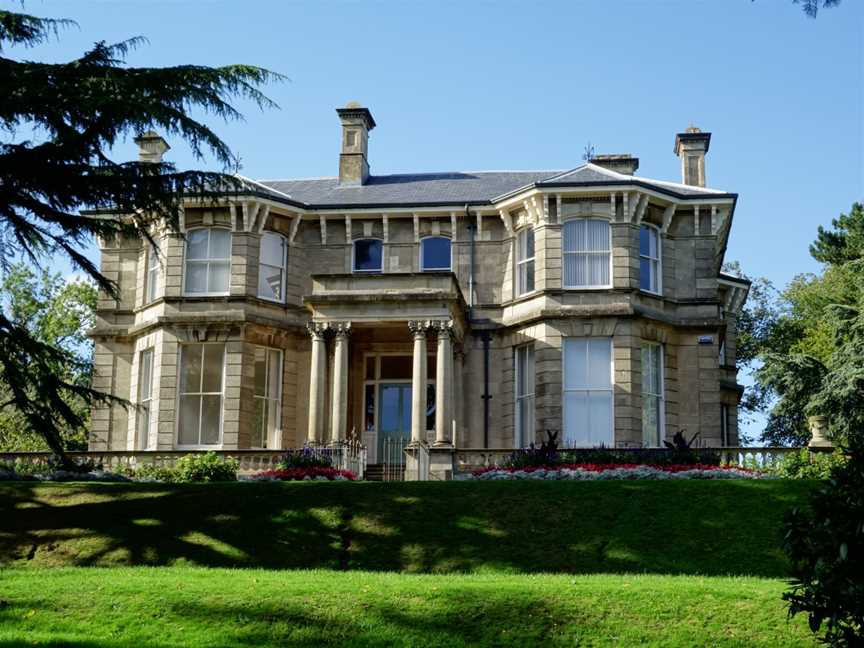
[
  {"x": 368, "y": 255},
  {"x": 435, "y": 254}
]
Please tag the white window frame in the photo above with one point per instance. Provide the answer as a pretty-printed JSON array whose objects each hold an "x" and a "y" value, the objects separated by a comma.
[
  {"x": 180, "y": 394},
  {"x": 588, "y": 388},
  {"x": 283, "y": 268},
  {"x": 207, "y": 261},
  {"x": 354, "y": 255},
  {"x": 575, "y": 253},
  {"x": 522, "y": 263},
  {"x": 654, "y": 262},
  {"x": 523, "y": 438},
  {"x": 423, "y": 267},
  {"x": 151, "y": 275},
  {"x": 145, "y": 401},
  {"x": 660, "y": 398},
  {"x": 276, "y": 402}
]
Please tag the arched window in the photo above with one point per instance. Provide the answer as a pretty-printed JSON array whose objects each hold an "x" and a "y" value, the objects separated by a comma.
[
  {"x": 649, "y": 259},
  {"x": 587, "y": 252},
  {"x": 208, "y": 261},
  {"x": 368, "y": 255},
  {"x": 435, "y": 253},
  {"x": 272, "y": 264}
]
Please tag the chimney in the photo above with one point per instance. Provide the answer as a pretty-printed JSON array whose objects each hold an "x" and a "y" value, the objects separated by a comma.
[
  {"x": 151, "y": 147},
  {"x": 691, "y": 146},
  {"x": 353, "y": 160},
  {"x": 620, "y": 162}
]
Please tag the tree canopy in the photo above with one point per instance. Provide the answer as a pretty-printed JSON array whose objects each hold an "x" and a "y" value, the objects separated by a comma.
[{"x": 58, "y": 124}]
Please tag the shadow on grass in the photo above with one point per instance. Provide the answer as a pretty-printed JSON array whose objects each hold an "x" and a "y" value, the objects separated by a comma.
[{"x": 685, "y": 527}]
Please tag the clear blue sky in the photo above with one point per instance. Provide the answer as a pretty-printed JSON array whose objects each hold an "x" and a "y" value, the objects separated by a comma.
[{"x": 525, "y": 85}]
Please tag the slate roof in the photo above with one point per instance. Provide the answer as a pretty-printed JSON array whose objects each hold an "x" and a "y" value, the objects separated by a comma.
[{"x": 456, "y": 188}]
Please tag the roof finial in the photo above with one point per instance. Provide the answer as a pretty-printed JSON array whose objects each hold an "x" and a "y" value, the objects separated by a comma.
[{"x": 588, "y": 155}]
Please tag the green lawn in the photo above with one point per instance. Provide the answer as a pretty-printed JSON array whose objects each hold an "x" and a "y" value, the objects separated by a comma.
[
  {"x": 157, "y": 607},
  {"x": 677, "y": 527}
]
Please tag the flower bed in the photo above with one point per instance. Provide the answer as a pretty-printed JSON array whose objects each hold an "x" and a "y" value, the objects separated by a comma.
[
  {"x": 589, "y": 472},
  {"x": 308, "y": 473}
]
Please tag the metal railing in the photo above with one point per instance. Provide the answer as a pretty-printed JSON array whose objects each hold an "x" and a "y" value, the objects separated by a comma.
[
  {"x": 393, "y": 459},
  {"x": 343, "y": 455}
]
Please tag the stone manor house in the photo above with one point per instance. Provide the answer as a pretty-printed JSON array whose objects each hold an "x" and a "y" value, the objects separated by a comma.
[{"x": 462, "y": 309}]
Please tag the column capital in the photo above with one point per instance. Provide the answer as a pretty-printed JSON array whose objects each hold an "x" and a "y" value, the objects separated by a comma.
[
  {"x": 340, "y": 329},
  {"x": 317, "y": 329},
  {"x": 418, "y": 328},
  {"x": 444, "y": 327}
]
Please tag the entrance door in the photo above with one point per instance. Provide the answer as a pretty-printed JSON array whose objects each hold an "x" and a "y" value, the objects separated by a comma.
[{"x": 394, "y": 418}]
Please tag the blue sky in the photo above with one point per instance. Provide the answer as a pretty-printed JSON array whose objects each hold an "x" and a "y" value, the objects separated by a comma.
[{"x": 518, "y": 85}]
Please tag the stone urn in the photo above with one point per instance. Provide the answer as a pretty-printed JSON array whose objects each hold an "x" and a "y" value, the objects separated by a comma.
[{"x": 819, "y": 432}]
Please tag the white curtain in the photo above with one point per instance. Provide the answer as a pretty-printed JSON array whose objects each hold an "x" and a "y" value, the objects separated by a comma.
[{"x": 587, "y": 253}]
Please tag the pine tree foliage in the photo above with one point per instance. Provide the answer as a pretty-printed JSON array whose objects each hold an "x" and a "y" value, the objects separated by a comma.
[{"x": 75, "y": 113}]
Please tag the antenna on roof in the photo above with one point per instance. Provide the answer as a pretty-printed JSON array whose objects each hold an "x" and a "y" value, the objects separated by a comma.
[{"x": 588, "y": 155}]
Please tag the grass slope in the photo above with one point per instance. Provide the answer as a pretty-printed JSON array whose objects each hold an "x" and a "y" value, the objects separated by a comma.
[
  {"x": 679, "y": 527},
  {"x": 149, "y": 608}
]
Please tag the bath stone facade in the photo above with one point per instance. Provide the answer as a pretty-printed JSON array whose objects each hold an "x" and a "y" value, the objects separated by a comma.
[{"x": 463, "y": 310}]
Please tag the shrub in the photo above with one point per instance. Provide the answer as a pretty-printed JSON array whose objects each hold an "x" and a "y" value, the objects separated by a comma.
[
  {"x": 154, "y": 473},
  {"x": 806, "y": 464},
  {"x": 305, "y": 458},
  {"x": 206, "y": 467},
  {"x": 826, "y": 547}
]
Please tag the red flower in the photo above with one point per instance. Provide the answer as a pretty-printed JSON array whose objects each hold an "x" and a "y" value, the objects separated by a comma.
[{"x": 299, "y": 474}]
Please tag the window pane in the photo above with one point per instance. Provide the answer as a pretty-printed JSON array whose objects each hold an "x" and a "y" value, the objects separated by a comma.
[
  {"x": 520, "y": 371},
  {"x": 270, "y": 282},
  {"x": 144, "y": 427},
  {"x": 369, "y": 408},
  {"x": 259, "y": 438},
  {"x": 196, "y": 244},
  {"x": 568, "y": 236},
  {"x": 646, "y": 279},
  {"x": 396, "y": 367},
  {"x": 597, "y": 235},
  {"x": 529, "y": 276},
  {"x": 370, "y": 368},
  {"x": 189, "y": 419},
  {"x": 213, "y": 355},
  {"x": 272, "y": 249},
  {"x": 430, "y": 407},
  {"x": 650, "y": 420},
  {"x": 218, "y": 277},
  {"x": 600, "y": 418},
  {"x": 211, "y": 416},
  {"x": 270, "y": 439},
  {"x": 599, "y": 362},
  {"x": 146, "y": 371},
  {"x": 575, "y": 363},
  {"x": 260, "y": 371},
  {"x": 576, "y": 419},
  {"x": 367, "y": 254},
  {"x": 274, "y": 382},
  {"x": 196, "y": 277},
  {"x": 436, "y": 253},
  {"x": 529, "y": 243},
  {"x": 190, "y": 368},
  {"x": 220, "y": 244},
  {"x": 645, "y": 241}
]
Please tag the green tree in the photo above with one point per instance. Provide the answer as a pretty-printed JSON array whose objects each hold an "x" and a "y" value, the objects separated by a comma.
[
  {"x": 58, "y": 124},
  {"x": 57, "y": 313}
]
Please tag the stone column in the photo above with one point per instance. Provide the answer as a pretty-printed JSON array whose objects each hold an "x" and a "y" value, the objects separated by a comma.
[
  {"x": 317, "y": 382},
  {"x": 459, "y": 397},
  {"x": 444, "y": 385},
  {"x": 339, "y": 391},
  {"x": 418, "y": 382}
]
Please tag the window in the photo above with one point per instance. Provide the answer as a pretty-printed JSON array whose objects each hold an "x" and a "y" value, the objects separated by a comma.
[
  {"x": 435, "y": 253},
  {"x": 208, "y": 261},
  {"x": 152, "y": 275},
  {"x": 273, "y": 261},
  {"x": 268, "y": 397},
  {"x": 588, "y": 405},
  {"x": 145, "y": 397},
  {"x": 653, "y": 428},
  {"x": 649, "y": 259},
  {"x": 587, "y": 251},
  {"x": 368, "y": 255},
  {"x": 201, "y": 387},
  {"x": 524, "y": 363},
  {"x": 524, "y": 261}
]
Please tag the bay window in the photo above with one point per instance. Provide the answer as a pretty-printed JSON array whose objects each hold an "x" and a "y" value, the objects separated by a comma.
[
  {"x": 201, "y": 394},
  {"x": 649, "y": 259},
  {"x": 587, "y": 253},
  {"x": 524, "y": 366},
  {"x": 653, "y": 431},
  {"x": 524, "y": 261},
  {"x": 272, "y": 264},
  {"x": 588, "y": 392},
  {"x": 208, "y": 261},
  {"x": 268, "y": 397}
]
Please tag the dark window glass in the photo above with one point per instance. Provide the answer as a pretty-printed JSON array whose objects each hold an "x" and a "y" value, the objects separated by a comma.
[
  {"x": 435, "y": 253},
  {"x": 367, "y": 255}
]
